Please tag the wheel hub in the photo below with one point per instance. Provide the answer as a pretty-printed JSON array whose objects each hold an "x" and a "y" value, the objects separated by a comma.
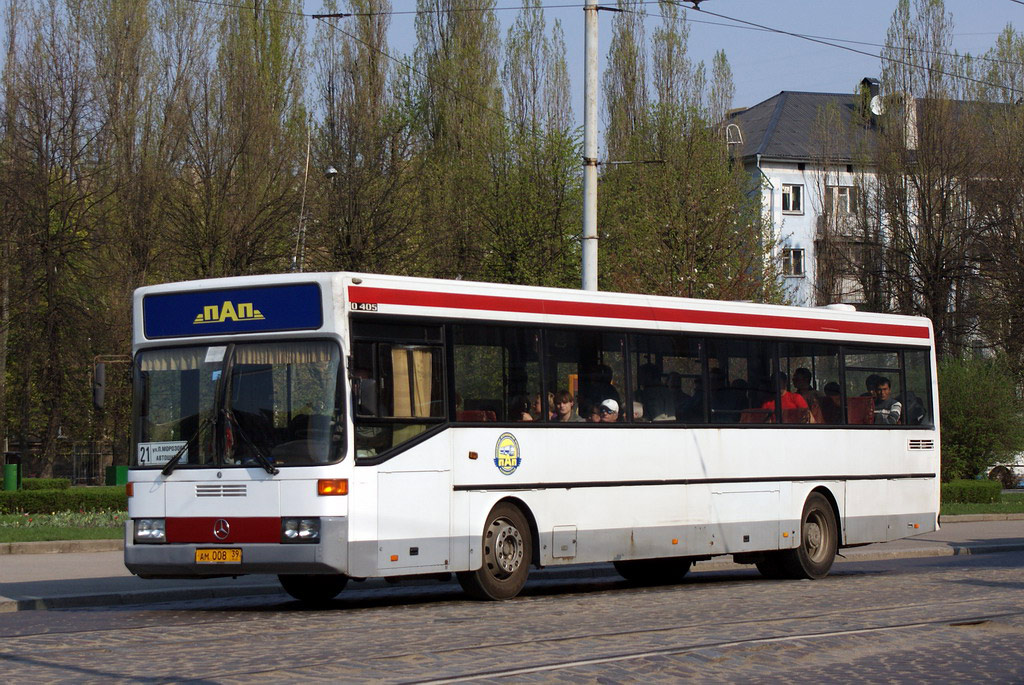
[{"x": 508, "y": 547}]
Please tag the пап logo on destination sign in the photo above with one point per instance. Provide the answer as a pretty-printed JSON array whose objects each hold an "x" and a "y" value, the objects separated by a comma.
[{"x": 228, "y": 312}]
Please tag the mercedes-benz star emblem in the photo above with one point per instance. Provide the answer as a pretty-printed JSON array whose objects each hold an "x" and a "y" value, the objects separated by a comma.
[{"x": 221, "y": 528}]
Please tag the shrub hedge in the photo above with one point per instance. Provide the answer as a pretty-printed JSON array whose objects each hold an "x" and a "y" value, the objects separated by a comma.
[
  {"x": 45, "y": 483},
  {"x": 42, "y": 483},
  {"x": 971, "y": 491},
  {"x": 70, "y": 499}
]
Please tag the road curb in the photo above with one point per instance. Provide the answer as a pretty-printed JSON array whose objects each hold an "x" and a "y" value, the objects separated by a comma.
[
  {"x": 972, "y": 518},
  {"x": 61, "y": 546}
]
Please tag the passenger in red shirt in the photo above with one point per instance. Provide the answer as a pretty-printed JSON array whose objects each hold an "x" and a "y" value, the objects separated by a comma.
[{"x": 790, "y": 400}]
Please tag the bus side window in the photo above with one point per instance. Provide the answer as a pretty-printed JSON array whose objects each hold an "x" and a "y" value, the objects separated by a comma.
[
  {"x": 917, "y": 405},
  {"x": 497, "y": 373}
]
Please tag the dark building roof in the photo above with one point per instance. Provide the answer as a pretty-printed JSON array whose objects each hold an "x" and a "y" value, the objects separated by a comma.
[{"x": 787, "y": 126}]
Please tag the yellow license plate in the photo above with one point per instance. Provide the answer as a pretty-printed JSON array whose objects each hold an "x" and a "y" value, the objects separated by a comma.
[{"x": 219, "y": 556}]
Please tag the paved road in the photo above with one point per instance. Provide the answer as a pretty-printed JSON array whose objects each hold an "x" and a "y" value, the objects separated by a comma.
[{"x": 955, "y": 618}]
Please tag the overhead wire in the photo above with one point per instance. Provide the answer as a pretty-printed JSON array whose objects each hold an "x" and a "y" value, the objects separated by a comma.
[
  {"x": 689, "y": 20},
  {"x": 735, "y": 23},
  {"x": 849, "y": 49}
]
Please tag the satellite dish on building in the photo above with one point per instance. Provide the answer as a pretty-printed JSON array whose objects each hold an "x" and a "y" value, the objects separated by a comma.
[{"x": 876, "y": 106}]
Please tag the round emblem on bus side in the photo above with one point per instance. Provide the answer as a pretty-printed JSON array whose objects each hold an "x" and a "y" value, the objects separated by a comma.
[{"x": 506, "y": 454}]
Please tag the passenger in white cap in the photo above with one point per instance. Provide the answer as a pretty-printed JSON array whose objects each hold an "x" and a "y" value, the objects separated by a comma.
[{"x": 609, "y": 411}]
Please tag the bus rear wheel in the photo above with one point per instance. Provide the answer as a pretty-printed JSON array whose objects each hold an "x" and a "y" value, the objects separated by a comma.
[
  {"x": 507, "y": 550},
  {"x": 313, "y": 589},
  {"x": 819, "y": 540},
  {"x": 654, "y": 571}
]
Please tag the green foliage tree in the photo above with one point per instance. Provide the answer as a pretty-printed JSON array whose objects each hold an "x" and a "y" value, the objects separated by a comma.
[
  {"x": 56, "y": 200},
  {"x": 458, "y": 120},
  {"x": 234, "y": 205},
  {"x": 533, "y": 165},
  {"x": 678, "y": 217},
  {"x": 362, "y": 215},
  {"x": 982, "y": 417}
]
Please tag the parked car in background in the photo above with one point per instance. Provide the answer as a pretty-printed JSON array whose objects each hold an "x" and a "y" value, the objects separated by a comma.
[{"x": 1010, "y": 475}]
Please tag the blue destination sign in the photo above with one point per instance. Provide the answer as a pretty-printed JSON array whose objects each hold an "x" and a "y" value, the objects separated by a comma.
[{"x": 237, "y": 310}]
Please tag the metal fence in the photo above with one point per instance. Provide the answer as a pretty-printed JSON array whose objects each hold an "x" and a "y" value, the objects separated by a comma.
[{"x": 83, "y": 463}]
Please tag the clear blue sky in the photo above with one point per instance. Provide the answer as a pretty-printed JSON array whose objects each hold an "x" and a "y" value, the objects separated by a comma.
[{"x": 765, "y": 63}]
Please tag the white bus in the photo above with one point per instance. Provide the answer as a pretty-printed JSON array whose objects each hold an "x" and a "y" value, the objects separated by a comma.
[{"x": 327, "y": 427}]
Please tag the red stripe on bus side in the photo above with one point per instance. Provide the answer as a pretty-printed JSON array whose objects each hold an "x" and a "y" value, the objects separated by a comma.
[
  {"x": 200, "y": 529},
  {"x": 496, "y": 303}
]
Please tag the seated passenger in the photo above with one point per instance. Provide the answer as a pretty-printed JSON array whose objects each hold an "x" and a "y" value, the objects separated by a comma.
[
  {"x": 913, "y": 408},
  {"x": 594, "y": 413},
  {"x": 657, "y": 398},
  {"x": 803, "y": 382},
  {"x": 609, "y": 410},
  {"x": 519, "y": 409},
  {"x": 832, "y": 405},
  {"x": 790, "y": 400},
  {"x": 563, "y": 405},
  {"x": 536, "y": 410},
  {"x": 887, "y": 410},
  {"x": 598, "y": 386}
]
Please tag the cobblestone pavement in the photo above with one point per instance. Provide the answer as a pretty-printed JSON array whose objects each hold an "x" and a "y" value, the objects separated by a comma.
[{"x": 954, "y": 618}]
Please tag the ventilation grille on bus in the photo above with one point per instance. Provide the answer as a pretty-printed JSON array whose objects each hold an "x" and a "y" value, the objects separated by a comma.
[
  {"x": 921, "y": 445},
  {"x": 220, "y": 490}
]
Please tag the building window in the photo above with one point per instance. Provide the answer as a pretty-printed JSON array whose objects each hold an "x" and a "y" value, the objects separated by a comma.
[
  {"x": 839, "y": 200},
  {"x": 793, "y": 261},
  {"x": 792, "y": 199}
]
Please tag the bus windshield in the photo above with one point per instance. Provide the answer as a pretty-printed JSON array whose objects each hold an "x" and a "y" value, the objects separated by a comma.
[{"x": 238, "y": 405}]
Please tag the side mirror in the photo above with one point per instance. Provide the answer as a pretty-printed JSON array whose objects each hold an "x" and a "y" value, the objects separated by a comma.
[{"x": 99, "y": 385}]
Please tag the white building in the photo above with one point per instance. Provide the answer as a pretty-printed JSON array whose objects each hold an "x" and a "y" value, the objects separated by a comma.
[{"x": 803, "y": 149}]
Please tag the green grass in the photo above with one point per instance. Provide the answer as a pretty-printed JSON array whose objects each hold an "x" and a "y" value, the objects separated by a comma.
[
  {"x": 44, "y": 533},
  {"x": 1009, "y": 504},
  {"x": 65, "y": 525}
]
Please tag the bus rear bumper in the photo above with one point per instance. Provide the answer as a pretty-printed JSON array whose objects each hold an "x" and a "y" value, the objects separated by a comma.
[{"x": 330, "y": 555}]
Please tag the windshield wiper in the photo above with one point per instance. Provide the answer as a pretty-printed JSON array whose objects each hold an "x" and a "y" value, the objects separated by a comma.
[
  {"x": 169, "y": 466},
  {"x": 261, "y": 458}
]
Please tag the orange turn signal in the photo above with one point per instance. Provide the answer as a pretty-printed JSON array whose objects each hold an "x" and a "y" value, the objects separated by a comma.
[
  {"x": 332, "y": 486},
  {"x": 129, "y": 489}
]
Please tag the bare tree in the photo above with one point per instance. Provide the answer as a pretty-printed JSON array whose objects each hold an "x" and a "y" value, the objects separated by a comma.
[{"x": 926, "y": 159}]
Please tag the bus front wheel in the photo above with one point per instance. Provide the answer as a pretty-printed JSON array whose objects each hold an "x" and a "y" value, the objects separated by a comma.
[
  {"x": 819, "y": 540},
  {"x": 313, "y": 589},
  {"x": 507, "y": 551}
]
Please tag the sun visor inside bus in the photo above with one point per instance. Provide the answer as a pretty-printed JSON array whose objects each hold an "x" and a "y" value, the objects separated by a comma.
[{"x": 235, "y": 310}]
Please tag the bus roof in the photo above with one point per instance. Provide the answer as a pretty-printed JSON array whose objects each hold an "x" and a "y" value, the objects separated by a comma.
[{"x": 447, "y": 299}]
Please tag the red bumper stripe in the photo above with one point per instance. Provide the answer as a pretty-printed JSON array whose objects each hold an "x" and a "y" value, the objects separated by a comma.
[{"x": 239, "y": 530}]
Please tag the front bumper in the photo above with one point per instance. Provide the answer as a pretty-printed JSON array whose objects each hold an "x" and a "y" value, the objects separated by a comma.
[{"x": 330, "y": 555}]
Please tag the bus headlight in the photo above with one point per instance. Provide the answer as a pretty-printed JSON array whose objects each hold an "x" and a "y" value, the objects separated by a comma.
[
  {"x": 300, "y": 530},
  {"x": 150, "y": 530}
]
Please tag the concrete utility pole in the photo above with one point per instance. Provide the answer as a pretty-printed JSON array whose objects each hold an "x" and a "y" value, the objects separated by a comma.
[{"x": 590, "y": 148}]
